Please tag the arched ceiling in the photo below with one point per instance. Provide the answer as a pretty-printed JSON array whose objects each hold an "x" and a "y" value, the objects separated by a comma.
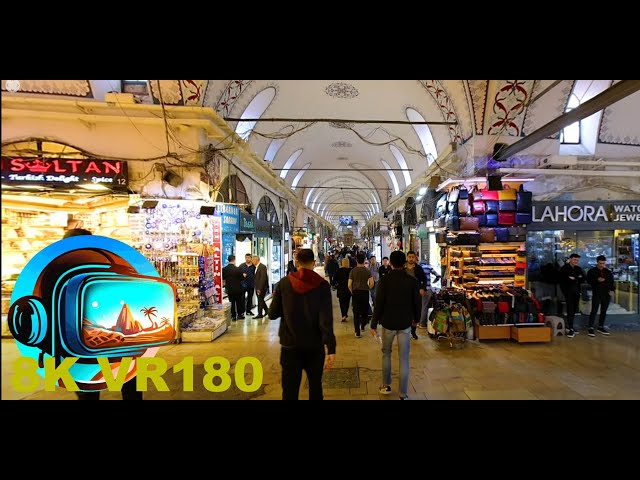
[{"x": 476, "y": 108}]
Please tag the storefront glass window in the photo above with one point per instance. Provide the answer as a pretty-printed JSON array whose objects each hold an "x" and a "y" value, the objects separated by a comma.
[
  {"x": 550, "y": 249},
  {"x": 276, "y": 257}
]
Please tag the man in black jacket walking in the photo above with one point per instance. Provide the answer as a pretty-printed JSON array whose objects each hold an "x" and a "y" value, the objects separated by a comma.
[
  {"x": 302, "y": 301},
  {"x": 398, "y": 307},
  {"x": 571, "y": 277},
  {"x": 601, "y": 280}
]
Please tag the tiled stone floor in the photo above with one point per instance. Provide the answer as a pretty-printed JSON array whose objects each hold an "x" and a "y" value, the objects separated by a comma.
[{"x": 578, "y": 368}]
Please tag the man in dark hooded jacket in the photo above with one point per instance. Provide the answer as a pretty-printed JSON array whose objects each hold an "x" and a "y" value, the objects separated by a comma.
[{"x": 302, "y": 301}]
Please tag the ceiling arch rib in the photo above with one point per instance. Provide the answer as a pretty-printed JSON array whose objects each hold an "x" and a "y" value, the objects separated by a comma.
[
  {"x": 392, "y": 176},
  {"x": 297, "y": 178},
  {"x": 424, "y": 135},
  {"x": 402, "y": 163},
  {"x": 345, "y": 198},
  {"x": 347, "y": 182},
  {"x": 289, "y": 163},
  {"x": 255, "y": 109},
  {"x": 330, "y": 197}
]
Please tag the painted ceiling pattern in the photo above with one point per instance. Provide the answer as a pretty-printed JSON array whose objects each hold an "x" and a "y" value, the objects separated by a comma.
[
  {"x": 445, "y": 104},
  {"x": 178, "y": 92},
  {"x": 478, "y": 90},
  {"x": 341, "y": 90},
  {"x": 458, "y": 95},
  {"x": 549, "y": 106},
  {"x": 615, "y": 127},
  {"x": 230, "y": 96},
  {"x": 75, "y": 88},
  {"x": 508, "y": 104}
]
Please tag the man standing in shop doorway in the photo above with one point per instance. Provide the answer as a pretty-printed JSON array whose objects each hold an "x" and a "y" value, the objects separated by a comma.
[
  {"x": 414, "y": 269},
  {"x": 571, "y": 277},
  {"x": 302, "y": 301},
  {"x": 601, "y": 280},
  {"x": 262, "y": 286},
  {"x": 248, "y": 283},
  {"x": 232, "y": 278}
]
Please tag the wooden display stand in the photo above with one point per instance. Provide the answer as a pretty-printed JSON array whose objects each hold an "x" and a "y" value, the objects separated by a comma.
[
  {"x": 531, "y": 334},
  {"x": 492, "y": 332}
]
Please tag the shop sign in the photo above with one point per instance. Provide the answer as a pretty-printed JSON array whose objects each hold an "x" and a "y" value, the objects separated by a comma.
[
  {"x": 228, "y": 246},
  {"x": 247, "y": 223},
  {"x": 596, "y": 212},
  {"x": 230, "y": 215},
  {"x": 263, "y": 228},
  {"x": 63, "y": 171},
  {"x": 217, "y": 259}
]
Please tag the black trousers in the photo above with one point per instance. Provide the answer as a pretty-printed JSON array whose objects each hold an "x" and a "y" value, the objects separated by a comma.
[
  {"x": 262, "y": 306},
  {"x": 573, "y": 302},
  {"x": 128, "y": 390},
  {"x": 360, "y": 309},
  {"x": 237, "y": 304},
  {"x": 249, "y": 293},
  {"x": 344, "y": 305},
  {"x": 599, "y": 299},
  {"x": 293, "y": 361}
]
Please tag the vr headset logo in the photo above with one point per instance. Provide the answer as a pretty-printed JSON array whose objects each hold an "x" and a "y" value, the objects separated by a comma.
[{"x": 91, "y": 297}]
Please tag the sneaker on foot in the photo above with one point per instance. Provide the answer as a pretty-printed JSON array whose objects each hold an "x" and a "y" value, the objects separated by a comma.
[
  {"x": 385, "y": 389},
  {"x": 406, "y": 397},
  {"x": 571, "y": 333},
  {"x": 415, "y": 337},
  {"x": 591, "y": 332},
  {"x": 603, "y": 331},
  {"x": 358, "y": 335}
]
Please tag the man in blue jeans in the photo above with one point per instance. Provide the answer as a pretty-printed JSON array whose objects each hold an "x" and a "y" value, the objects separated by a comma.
[{"x": 398, "y": 306}]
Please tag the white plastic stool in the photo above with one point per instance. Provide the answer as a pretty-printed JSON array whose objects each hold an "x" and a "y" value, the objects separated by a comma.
[{"x": 556, "y": 324}]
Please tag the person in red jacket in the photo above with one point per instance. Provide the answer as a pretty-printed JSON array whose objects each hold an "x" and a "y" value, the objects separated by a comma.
[{"x": 302, "y": 301}]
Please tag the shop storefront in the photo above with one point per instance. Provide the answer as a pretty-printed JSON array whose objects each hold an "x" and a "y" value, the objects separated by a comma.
[
  {"x": 230, "y": 215},
  {"x": 244, "y": 237},
  {"x": 590, "y": 229},
  {"x": 44, "y": 197},
  {"x": 276, "y": 254}
]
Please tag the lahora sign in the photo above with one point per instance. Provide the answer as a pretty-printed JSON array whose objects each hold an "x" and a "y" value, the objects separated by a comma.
[
  {"x": 43, "y": 171},
  {"x": 595, "y": 214}
]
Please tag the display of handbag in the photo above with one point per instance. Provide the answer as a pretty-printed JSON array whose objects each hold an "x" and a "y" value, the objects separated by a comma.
[
  {"x": 502, "y": 234},
  {"x": 468, "y": 238},
  {"x": 482, "y": 219},
  {"x": 464, "y": 194},
  {"x": 517, "y": 234},
  {"x": 477, "y": 207},
  {"x": 487, "y": 235},
  {"x": 453, "y": 222},
  {"x": 441, "y": 206},
  {"x": 507, "y": 193},
  {"x": 440, "y": 320},
  {"x": 469, "y": 223},
  {"x": 452, "y": 239},
  {"x": 440, "y": 222},
  {"x": 507, "y": 205},
  {"x": 441, "y": 236},
  {"x": 506, "y": 218},
  {"x": 491, "y": 206},
  {"x": 489, "y": 195},
  {"x": 463, "y": 206},
  {"x": 492, "y": 219},
  {"x": 524, "y": 200},
  {"x": 452, "y": 197},
  {"x": 457, "y": 322},
  {"x": 523, "y": 218}
]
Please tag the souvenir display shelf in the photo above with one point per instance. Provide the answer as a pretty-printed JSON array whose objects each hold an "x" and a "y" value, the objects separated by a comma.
[{"x": 177, "y": 240}]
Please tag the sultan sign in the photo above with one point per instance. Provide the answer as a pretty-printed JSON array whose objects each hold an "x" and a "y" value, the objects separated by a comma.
[
  {"x": 63, "y": 171},
  {"x": 594, "y": 215}
]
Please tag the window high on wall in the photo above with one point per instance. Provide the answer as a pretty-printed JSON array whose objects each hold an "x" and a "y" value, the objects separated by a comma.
[
  {"x": 136, "y": 87},
  {"x": 571, "y": 134}
]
